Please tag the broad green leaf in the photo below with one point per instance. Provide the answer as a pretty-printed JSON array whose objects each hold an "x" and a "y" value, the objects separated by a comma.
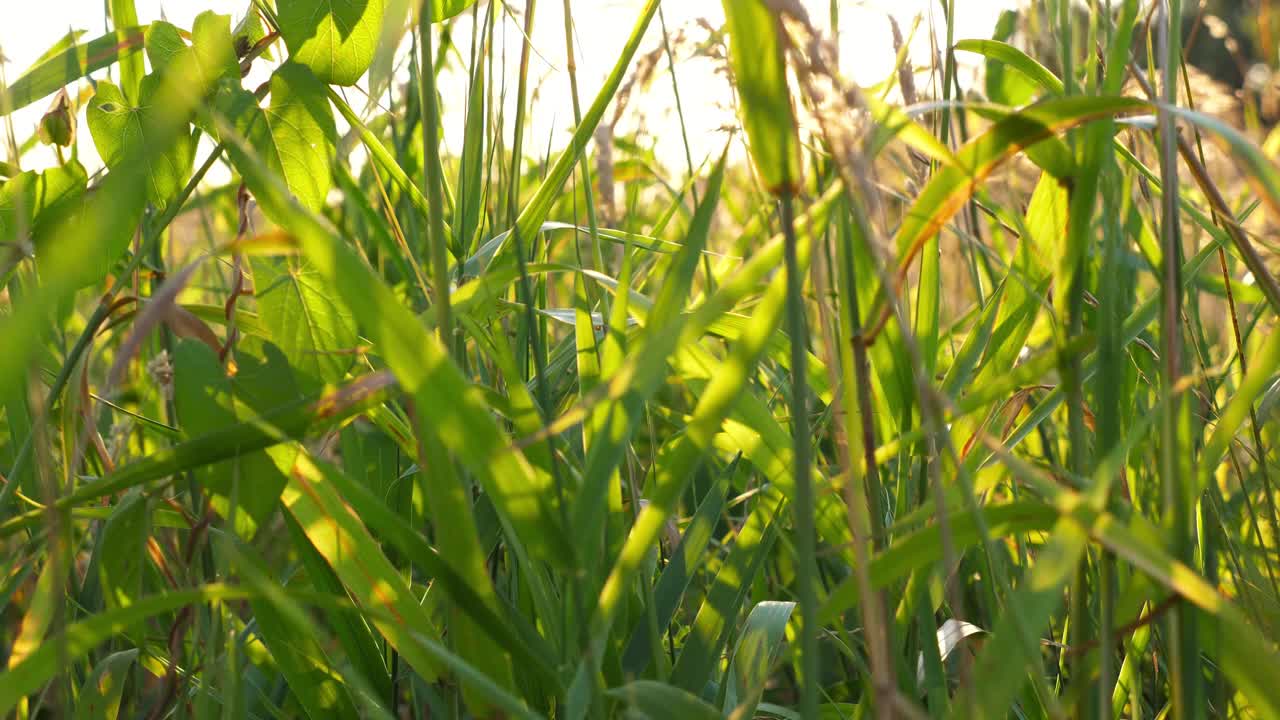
[
  {"x": 302, "y": 134},
  {"x": 445, "y": 9},
  {"x": 62, "y": 201},
  {"x": 36, "y": 202},
  {"x": 100, "y": 696},
  {"x": 84, "y": 247},
  {"x": 248, "y": 32},
  {"x": 121, "y": 129},
  {"x": 164, "y": 44},
  {"x": 300, "y": 313},
  {"x": 335, "y": 38},
  {"x": 73, "y": 63},
  {"x": 123, "y": 555},
  {"x": 760, "y": 74},
  {"x": 294, "y": 136},
  {"x": 205, "y": 399},
  {"x": 211, "y": 53}
]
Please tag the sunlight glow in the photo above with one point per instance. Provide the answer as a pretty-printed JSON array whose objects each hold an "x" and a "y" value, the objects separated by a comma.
[{"x": 866, "y": 57}]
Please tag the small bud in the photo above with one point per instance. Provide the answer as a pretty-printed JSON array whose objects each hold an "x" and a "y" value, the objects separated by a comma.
[{"x": 58, "y": 126}]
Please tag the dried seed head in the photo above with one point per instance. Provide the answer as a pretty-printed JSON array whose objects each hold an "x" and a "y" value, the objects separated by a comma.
[{"x": 160, "y": 369}]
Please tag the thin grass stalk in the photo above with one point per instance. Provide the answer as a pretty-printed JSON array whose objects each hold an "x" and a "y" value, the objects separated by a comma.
[
  {"x": 1069, "y": 295},
  {"x": 1117, "y": 32},
  {"x": 804, "y": 502},
  {"x": 684, "y": 138},
  {"x": 868, "y": 533},
  {"x": 1174, "y": 426},
  {"x": 530, "y": 336},
  {"x": 589, "y": 374},
  {"x": 593, "y": 227},
  {"x": 528, "y": 324},
  {"x": 1233, "y": 313},
  {"x": 433, "y": 181},
  {"x": 874, "y": 488}
]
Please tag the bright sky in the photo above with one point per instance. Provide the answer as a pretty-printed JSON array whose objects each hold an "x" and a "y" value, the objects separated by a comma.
[{"x": 29, "y": 27}]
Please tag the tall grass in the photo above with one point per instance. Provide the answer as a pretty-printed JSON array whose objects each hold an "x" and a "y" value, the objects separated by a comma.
[{"x": 941, "y": 401}]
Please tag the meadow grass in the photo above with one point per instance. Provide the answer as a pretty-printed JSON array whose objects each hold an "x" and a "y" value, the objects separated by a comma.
[{"x": 936, "y": 401}]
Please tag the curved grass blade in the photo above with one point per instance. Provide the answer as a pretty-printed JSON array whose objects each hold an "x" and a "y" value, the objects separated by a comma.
[
  {"x": 288, "y": 635},
  {"x": 657, "y": 700},
  {"x": 73, "y": 63},
  {"x": 1016, "y": 59},
  {"x": 292, "y": 421},
  {"x": 951, "y": 187},
  {"x": 345, "y": 543},
  {"x": 760, "y": 75},
  {"x": 103, "y": 688},
  {"x": 675, "y": 579},
  {"x": 758, "y": 648},
  {"x": 83, "y": 636},
  {"x": 709, "y": 634}
]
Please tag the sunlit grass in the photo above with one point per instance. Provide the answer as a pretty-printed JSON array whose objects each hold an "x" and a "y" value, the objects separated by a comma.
[{"x": 912, "y": 400}]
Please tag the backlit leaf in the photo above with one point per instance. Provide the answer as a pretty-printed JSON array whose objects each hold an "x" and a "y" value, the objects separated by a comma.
[{"x": 335, "y": 38}]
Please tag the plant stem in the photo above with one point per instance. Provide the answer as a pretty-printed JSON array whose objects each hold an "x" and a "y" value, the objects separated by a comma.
[
  {"x": 435, "y": 195},
  {"x": 804, "y": 501}
]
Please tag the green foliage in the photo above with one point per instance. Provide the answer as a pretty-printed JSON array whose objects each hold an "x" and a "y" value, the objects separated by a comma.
[
  {"x": 335, "y": 38},
  {"x": 121, "y": 129},
  {"x": 1011, "y": 454},
  {"x": 760, "y": 75}
]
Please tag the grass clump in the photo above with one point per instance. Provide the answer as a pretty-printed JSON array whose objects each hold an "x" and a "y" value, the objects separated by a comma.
[{"x": 938, "y": 401}]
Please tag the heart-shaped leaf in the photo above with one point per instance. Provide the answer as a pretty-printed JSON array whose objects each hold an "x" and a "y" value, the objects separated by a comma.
[
  {"x": 121, "y": 128},
  {"x": 335, "y": 38}
]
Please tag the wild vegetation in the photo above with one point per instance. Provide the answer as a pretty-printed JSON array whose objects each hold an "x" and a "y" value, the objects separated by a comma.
[{"x": 951, "y": 401}]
